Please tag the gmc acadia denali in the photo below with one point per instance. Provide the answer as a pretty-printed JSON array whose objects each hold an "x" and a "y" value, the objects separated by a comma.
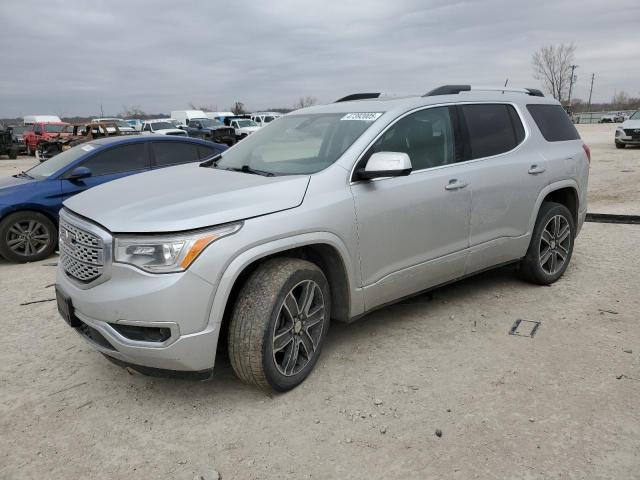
[{"x": 326, "y": 214}]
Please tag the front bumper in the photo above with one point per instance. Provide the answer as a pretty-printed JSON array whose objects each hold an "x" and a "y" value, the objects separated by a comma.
[
  {"x": 179, "y": 302},
  {"x": 624, "y": 138}
]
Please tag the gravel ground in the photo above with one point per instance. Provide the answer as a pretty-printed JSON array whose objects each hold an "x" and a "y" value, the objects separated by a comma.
[{"x": 562, "y": 404}]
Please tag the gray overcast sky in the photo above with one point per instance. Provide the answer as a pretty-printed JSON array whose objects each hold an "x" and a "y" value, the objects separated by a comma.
[{"x": 69, "y": 57}]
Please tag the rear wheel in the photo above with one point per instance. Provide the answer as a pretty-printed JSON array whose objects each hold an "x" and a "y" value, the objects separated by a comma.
[
  {"x": 279, "y": 324},
  {"x": 551, "y": 245},
  {"x": 27, "y": 237},
  {"x": 13, "y": 153}
]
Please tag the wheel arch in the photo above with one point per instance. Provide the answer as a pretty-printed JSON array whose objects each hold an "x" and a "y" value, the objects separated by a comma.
[
  {"x": 564, "y": 192},
  {"x": 323, "y": 249}
]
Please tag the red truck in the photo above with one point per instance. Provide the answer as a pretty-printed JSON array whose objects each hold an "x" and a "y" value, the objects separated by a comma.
[{"x": 44, "y": 132}]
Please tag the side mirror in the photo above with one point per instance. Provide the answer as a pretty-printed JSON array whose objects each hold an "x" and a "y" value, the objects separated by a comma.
[
  {"x": 386, "y": 164},
  {"x": 79, "y": 173}
]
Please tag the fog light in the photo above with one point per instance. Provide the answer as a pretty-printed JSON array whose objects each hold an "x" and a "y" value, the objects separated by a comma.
[{"x": 142, "y": 334}]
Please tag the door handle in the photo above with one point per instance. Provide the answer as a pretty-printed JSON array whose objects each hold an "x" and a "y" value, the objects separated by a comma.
[
  {"x": 455, "y": 184},
  {"x": 535, "y": 170}
]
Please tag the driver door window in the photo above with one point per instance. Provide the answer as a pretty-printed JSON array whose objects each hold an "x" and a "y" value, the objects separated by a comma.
[{"x": 426, "y": 136}]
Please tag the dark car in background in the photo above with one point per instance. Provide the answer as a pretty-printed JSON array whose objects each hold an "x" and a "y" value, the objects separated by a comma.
[
  {"x": 211, "y": 129},
  {"x": 30, "y": 201},
  {"x": 17, "y": 132}
]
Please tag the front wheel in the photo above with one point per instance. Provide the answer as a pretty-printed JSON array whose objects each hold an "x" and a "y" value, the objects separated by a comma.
[
  {"x": 551, "y": 245},
  {"x": 27, "y": 237},
  {"x": 279, "y": 324},
  {"x": 620, "y": 145}
]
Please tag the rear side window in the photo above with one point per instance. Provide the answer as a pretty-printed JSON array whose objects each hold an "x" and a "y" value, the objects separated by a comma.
[
  {"x": 553, "y": 122},
  {"x": 492, "y": 129},
  {"x": 204, "y": 151},
  {"x": 173, "y": 153}
]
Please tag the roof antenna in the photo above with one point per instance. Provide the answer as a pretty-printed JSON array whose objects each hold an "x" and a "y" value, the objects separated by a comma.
[{"x": 505, "y": 84}]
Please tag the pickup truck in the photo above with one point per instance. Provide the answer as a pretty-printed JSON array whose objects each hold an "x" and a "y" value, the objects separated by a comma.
[
  {"x": 43, "y": 132},
  {"x": 211, "y": 130}
]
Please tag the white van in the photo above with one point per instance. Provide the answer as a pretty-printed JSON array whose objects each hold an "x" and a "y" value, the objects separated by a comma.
[
  {"x": 183, "y": 116},
  {"x": 33, "y": 119}
]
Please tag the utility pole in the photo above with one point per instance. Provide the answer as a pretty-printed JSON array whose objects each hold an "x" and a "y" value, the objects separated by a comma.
[
  {"x": 573, "y": 67},
  {"x": 593, "y": 75}
]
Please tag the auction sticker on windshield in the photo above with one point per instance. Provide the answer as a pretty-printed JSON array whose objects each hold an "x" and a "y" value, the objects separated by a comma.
[{"x": 363, "y": 116}]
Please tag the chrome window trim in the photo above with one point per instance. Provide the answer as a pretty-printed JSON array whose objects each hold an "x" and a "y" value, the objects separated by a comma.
[
  {"x": 107, "y": 249},
  {"x": 525, "y": 125}
]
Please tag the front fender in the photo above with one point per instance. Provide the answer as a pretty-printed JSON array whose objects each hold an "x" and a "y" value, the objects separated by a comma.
[{"x": 247, "y": 257}]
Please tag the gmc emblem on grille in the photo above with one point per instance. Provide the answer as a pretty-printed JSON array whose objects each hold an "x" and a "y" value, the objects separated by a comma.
[{"x": 67, "y": 238}]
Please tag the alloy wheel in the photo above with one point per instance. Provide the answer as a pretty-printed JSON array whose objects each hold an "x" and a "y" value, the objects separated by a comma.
[
  {"x": 28, "y": 237},
  {"x": 298, "y": 328},
  {"x": 555, "y": 244}
]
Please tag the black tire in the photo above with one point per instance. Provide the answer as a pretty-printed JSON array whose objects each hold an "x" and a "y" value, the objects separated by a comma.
[
  {"x": 533, "y": 267},
  {"x": 620, "y": 145},
  {"x": 13, "y": 153},
  {"x": 260, "y": 309},
  {"x": 38, "y": 247}
]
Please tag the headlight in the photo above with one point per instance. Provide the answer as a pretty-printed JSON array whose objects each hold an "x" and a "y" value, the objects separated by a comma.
[{"x": 167, "y": 253}]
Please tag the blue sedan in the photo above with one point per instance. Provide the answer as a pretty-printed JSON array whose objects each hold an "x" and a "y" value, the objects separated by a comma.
[{"x": 30, "y": 201}]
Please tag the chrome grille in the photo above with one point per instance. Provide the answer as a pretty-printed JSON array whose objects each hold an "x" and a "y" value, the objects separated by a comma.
[{"x": 81, "y": 253}]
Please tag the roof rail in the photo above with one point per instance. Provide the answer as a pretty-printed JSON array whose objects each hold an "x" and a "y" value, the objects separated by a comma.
[
  {"x": 455, "y": 89},
  {"x": 358, "y": 96}
]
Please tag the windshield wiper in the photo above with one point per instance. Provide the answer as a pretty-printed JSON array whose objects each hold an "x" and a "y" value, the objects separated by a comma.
[
  {"x": 248, "y": 169},
  {"x": 212, "y": 162},
  {"x": 23, "y": 174}
]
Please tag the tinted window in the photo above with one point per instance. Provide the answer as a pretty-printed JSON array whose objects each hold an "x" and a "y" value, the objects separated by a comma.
[
  {"x": 426, "y": 136},
  {"x": 553, "y": 122},
  {"x": 204, "y": 151},
  {"x": 492, "y": 129},
  {"x": 125, "y": 158},
  {"x": 172, "y": 153}
]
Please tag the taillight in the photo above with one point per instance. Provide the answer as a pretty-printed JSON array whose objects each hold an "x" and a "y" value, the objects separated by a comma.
[{"x": 587, "y": 150}]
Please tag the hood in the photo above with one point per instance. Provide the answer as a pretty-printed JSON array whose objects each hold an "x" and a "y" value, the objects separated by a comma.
[
  {"x": 170, "y": 131},
  {"x": 631, "y": 124},
  {"x": 186, "y": 197},
  {"x": 10, "y": 185},
  {"x": 249, "y": 129}
]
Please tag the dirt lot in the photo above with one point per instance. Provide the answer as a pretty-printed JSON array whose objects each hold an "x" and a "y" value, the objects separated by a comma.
[{"x": 563, "y": 404}]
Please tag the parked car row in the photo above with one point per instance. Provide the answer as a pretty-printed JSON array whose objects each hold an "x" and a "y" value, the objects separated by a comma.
[{"x": 47, "y": 135}]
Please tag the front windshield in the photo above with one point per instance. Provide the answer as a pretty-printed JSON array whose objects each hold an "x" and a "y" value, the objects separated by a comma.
[
  {"x": 61, "y": 160},
  {"x": 161, "y": 125},
  {"x": 53, "y": 128},
  {"x": 18, "y": 129},
  {"x": 246, "y": 123},
  {"x": 635, "y": 116},
  {"x": 209, "y": 123},
  {"x": 120, "y": 123},
  {"x": 268, "y": 119},
  {"x": 175, "y": 123},
  {"x": 296, "y": 144}
]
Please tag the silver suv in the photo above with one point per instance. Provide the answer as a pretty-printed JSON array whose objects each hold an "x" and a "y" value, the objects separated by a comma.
[{"x": 325, "y": 214}]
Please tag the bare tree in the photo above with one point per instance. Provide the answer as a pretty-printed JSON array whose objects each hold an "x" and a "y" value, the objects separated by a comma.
[
  {"x": 204, "y": 108},
  {"x": 238, "y": 108},
  {"x": 132, "y": 111},
  {"x": 552, "y": 66},
  {"x": 303, "y": 102}
]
